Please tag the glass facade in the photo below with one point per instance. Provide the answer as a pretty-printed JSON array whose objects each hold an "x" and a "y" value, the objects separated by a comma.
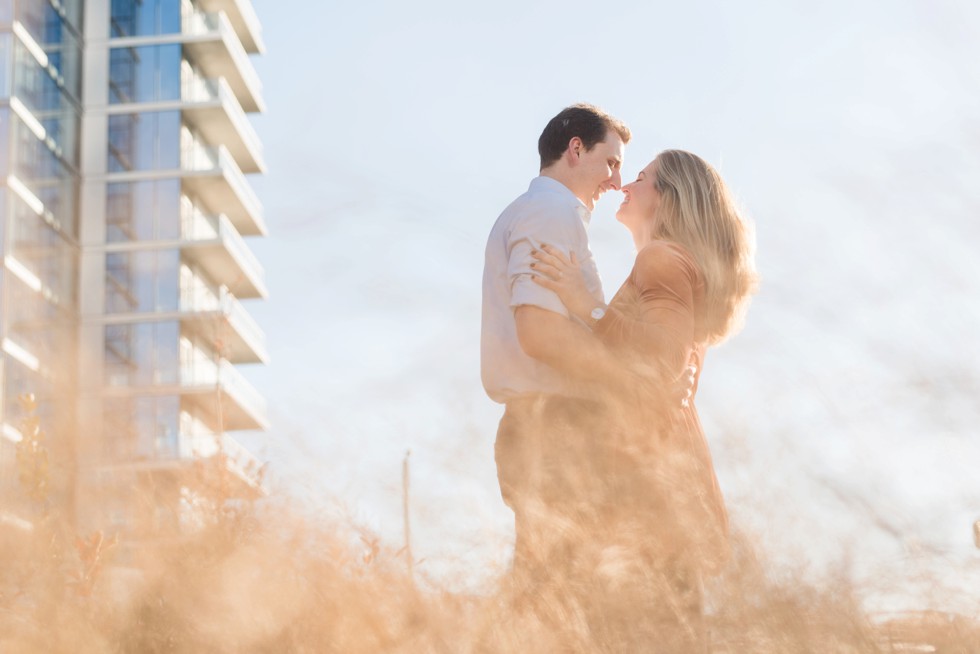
[
  {"x": 39, "y": 327},
  {"x": 143, "y": 211},
  {"x": 145, "y": 281},
  {"x": 19, "y": 376},
  {"x": 144, "y": 141},
  {"x": 56, "y": 31},
  {"x": 142, "y": 427},
  {"x": 152, "y": 392},
  {"x": 142, "y": 354},
  {"x": 6, "y": 61},
  {"x": 130, "y": 18},
  {"x": 46, "y": 175},
  {"x": 40, "y": 109},
  {"x": 5, "y": 130},
  {"x": 150, "y": 73},
  {"x": 44, "y": 252}
]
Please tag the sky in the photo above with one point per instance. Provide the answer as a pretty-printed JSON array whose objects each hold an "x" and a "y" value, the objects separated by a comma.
[{"x": 843, "y": 419}]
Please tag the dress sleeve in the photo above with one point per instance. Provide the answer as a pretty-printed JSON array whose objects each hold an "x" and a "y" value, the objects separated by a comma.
[
  {"x": 559, "y": 227},
  {"x": 662, "y": 325}
]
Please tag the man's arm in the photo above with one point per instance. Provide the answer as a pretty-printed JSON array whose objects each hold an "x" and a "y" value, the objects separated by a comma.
[
  {"x": 571, "y": 349},
  {"x": 566, "y": 346}
]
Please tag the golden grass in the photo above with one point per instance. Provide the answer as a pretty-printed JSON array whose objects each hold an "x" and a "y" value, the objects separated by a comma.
[{"x": 261, "y": 577}]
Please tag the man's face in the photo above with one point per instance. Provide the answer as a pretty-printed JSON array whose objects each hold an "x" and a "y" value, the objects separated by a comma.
[{"x": 598, "y": 170}]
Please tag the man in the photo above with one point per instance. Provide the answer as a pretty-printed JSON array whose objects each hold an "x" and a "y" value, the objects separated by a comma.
[{"x": 533, "y": 353}]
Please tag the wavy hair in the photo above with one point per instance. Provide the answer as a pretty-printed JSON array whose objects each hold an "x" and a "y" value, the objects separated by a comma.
[
  {"x": 586, "y": 121},
  {"x": 697, "y": 211}
]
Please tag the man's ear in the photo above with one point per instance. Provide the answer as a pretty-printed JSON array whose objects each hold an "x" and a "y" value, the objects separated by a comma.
[{"x": 574, "y": 150}]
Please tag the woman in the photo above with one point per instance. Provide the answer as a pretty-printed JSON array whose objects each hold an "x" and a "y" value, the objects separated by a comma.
[{"x": 688, "y": 290}]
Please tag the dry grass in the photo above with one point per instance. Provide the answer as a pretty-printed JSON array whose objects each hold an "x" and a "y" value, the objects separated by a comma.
[
  {"x": 265, "y": 581},
  {"x": 263, "y": 578}
]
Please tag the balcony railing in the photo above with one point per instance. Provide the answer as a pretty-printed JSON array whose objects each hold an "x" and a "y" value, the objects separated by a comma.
[
  {"x": 242, "y": 319},
  {"x": 163, "y": 453},
  {"x": 240, "y": 459},
  {"x": 224, "y": 374},
  {"x": 242, "y": 16},
  {"x": 229, "y": 305},
  {"x": 201, "y": 299},
  {"x": 200, "y": 158},
  {"x": 195, "y": 225},
  {"x": 198, "y": 89},
  {"x": 217, "y": 24},
  {"x": 198, "y": 226}
]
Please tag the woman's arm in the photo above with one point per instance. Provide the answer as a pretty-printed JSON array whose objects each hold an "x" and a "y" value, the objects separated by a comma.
[
  {"x": 663, "y": 326},
  {"x": 662, "y": 329},
  {"x": 593, "y": 369},
  {"x": 563, "y": 275}
]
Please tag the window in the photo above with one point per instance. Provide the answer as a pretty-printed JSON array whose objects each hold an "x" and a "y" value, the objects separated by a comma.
[
  {"x": 141, "y": 427},
  {"x": 142, "y": 354},
  {"x": 43, "y": 250},
  {"x": 143, "y": 211},
  {"x": 144, "y": 141},
  {"x": 6, "y": 62},
  {"x": 138, "y": 282},
  {"x": 144, "y": 74},
  {"x": 144, "y": 17},
  {"x": 45, "y": 174}
]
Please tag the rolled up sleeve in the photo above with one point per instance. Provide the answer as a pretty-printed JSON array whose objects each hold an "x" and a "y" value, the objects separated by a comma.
[{"x": 562, "y": 229}]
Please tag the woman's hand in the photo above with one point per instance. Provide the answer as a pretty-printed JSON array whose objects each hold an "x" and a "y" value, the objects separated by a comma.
[{"x": 563, "y": 275}]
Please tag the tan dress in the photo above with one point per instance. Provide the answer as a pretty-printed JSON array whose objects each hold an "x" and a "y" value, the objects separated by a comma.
[
  {"x": 656, "y": 319},
  {"x": 627, "y": 513}
]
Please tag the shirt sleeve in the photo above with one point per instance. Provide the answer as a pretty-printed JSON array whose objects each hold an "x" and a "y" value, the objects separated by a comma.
[
  {"x": 663, "y": 325},
  {"x": 560, "y": 227}
]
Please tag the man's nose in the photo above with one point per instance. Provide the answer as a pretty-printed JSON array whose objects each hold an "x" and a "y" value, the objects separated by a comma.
[{"x": 616, "y": 181}]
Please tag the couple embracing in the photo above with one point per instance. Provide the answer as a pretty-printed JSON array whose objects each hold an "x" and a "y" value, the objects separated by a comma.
[{"x": 600, "y": 453}]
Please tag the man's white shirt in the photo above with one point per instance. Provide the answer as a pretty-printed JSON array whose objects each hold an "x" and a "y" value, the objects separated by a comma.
[{"x": 547, "y": 213}]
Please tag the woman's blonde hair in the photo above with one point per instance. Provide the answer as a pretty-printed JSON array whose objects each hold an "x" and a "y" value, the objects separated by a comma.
[{"x": 697, "y": 211}]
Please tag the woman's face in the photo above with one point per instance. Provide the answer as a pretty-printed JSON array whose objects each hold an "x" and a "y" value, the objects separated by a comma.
[{"x": 642, "y": 199}]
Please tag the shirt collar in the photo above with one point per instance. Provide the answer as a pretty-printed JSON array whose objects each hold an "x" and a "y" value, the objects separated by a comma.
[{"x": 542, "y": 184}]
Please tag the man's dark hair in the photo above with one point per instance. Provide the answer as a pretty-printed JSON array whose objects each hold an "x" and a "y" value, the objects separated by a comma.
[{"x": 586, "y": 121}]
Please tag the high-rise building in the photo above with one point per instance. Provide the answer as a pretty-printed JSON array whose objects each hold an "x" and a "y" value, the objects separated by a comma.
[{"x": 125, "y": 145}]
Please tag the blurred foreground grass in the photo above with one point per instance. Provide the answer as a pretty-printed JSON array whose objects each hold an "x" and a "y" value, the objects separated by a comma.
[
  {"x": 268, "y": 581},
  {"x": 263, "y": 577}
]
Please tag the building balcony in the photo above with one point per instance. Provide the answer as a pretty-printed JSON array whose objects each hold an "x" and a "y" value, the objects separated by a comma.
[
  {"x": 213, "y": 243},
  {"x": 181, "y": 457},
  {"x": 211, "y": 43},
  {"x": 222, "y": 321},
  {"x": 204, "y": 304},
  {"x": 211, "y": 174},
  {"x": 237, "y": 458},
  {"x": 243, "y": 18},
  {"x": 215, "y": 390},
  {"x": 210, "y": 107},
  {"x": 241, "y": 405}
]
